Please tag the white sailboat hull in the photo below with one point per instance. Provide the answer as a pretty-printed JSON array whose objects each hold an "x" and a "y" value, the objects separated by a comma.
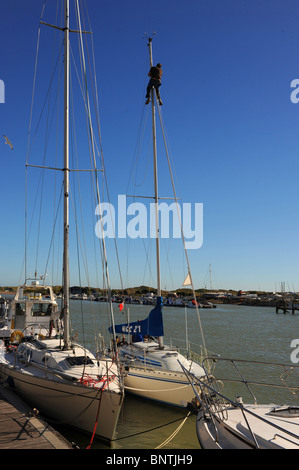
[
  {"x": 164, "y": 386},
  {"x": 68, "y": 404},
  {"x": 156, "y": 374},
  {"x": 233, "y": 432}
]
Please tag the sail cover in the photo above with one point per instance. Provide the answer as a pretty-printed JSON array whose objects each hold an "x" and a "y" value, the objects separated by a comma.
[{"x": 151, "y": 326}]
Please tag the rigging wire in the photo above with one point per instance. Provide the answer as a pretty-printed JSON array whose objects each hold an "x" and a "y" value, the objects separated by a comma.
[
  {"x": 56, "y": 159},
  {"x": 83, "y": 245},
  {"x": 30, "y": 144},
  {"x": 139, "y": 140},
  {"x": 181, "y": 227},
  {"x": 48, "y": 120},
  {"x": 53, "y": 231},
  {"x": 94, "y": 166},
  {"x": 100, "y": 151},
  {"x": 73, "y": 200},
  {"x": 78, "y": 264},
  {"x": 29, "y": 132},
  {"x": 76, "y": 164},
  {"x": 44, "y": 103},
  {"x": 92, "y": 185},
  {"x": 133, "y": 176}
]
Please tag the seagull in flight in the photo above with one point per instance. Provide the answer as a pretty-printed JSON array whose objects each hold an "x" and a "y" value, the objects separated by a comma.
[{"x": 7, "y": 141}]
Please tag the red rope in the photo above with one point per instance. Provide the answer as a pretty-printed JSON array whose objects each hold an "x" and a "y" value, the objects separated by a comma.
[
  {"x": 96, "y": 422},
  {"x": 87, "y": 382}
]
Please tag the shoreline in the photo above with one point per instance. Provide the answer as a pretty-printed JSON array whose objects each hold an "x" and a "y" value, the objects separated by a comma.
[{"x": 201, "y": 300}]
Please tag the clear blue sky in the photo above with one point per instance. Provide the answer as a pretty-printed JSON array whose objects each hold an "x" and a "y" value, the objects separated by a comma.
[{"x": 232, "y": 128}]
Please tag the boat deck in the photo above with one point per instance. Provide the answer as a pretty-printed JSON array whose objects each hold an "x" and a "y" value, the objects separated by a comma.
[
  {"x": 20, "y": 429},
  {"x": 265, "y": 433}
]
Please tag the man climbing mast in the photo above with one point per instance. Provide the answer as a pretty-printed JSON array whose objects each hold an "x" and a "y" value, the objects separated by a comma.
[{"x": 155, "y": 75}]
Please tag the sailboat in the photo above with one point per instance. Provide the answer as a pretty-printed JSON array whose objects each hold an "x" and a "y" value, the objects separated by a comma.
[
  {"x": 152, "y": 369},
  {"x": 63, "y": 380},
  {"x": 226, "y": 423}
]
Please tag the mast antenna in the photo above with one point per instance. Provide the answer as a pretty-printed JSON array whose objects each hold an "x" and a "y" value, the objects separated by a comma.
[{"x": 148, "y": 37}]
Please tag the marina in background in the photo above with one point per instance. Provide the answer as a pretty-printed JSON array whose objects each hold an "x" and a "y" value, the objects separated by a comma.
[{"x": 146, "y": 295}]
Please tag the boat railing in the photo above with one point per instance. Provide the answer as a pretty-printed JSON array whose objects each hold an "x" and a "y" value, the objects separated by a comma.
[
  {"x": 198, "y": 357},
  {"x": 286, "y": 371},
  {"x": 215, "y": 405}
]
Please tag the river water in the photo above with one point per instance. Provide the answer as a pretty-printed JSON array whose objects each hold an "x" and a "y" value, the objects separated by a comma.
[{"x": 243, "y": 332}]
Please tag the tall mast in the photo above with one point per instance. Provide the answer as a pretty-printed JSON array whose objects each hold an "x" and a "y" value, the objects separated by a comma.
[
  {"x": 157, "y": 235},
  {"x": 66, "y": 276}
]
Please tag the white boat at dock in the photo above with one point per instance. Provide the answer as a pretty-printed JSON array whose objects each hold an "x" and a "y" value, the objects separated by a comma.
[{"x": 69, "y": 387}]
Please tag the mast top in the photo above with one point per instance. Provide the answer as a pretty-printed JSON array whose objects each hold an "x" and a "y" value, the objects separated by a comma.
[{"x": 150, "y": 38}]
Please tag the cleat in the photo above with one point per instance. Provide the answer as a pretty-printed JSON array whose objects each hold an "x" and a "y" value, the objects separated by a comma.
[{"x": 147, "y": 101}]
